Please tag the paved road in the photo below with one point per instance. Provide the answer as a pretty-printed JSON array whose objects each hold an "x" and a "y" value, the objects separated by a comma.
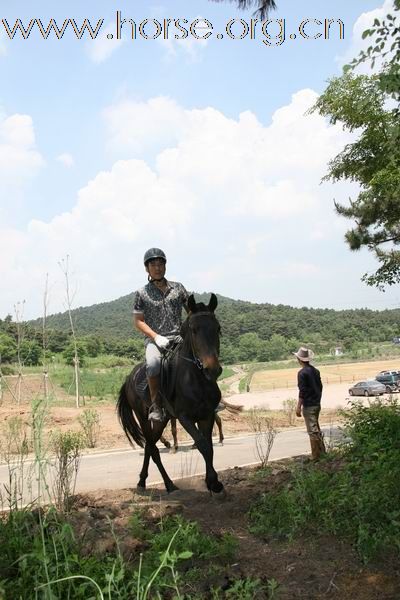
[{"x": 119, "y": 469}]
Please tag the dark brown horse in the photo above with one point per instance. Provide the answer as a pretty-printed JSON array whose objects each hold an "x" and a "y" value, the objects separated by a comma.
[{"x": 193, "y": 398}]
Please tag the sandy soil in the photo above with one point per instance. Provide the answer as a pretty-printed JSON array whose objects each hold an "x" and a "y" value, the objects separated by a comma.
[{"x": 335, "y": 373}]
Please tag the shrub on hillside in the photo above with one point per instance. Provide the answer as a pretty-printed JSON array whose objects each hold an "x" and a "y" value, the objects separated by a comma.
[{"x": 357, "y": 497}]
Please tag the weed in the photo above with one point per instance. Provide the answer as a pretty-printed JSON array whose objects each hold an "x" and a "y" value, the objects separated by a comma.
[
  {"x": 67, "y": 447},
  {"x": 265, "y": 432},
  {"x": 289, "y": 408},
  {"x": 89, "y": 420}
]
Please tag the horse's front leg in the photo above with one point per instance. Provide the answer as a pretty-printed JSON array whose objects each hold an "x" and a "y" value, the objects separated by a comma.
[{"x": 202, "y": 437}]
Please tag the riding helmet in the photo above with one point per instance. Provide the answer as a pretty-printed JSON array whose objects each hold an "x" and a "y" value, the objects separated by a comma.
[{"x": 153, "y": 253}]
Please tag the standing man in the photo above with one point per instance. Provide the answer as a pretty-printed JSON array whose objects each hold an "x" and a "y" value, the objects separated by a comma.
[
  {"x": 309, "y": 403},
  {"x": 157, "y": 313}
]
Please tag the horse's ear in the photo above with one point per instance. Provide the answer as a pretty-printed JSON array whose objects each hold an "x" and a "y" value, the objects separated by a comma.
[
  {"x": 212, "y": 305},
  {"x": 192, "y": 304}
]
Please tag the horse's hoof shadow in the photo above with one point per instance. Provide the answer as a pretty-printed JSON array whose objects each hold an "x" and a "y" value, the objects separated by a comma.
[{"x": 219, "y": 496}]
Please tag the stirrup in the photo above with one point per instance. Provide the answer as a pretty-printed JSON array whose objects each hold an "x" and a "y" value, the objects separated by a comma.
[{"x": 220, "y": 407}]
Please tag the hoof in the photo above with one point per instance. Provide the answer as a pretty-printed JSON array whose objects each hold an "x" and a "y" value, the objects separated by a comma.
[
  {"x": 141, "y": 489},
  {"x": 218, "y": 495},
  {"x": 172, "y": 488},
  {"x": 167, "y": 444},
  {"x": 173, "y": 450}
]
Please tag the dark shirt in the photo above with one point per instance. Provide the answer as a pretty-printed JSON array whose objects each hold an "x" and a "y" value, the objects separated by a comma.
[
  {"x": 310, "y": 385},
  {"x": 161, "y": 311}
]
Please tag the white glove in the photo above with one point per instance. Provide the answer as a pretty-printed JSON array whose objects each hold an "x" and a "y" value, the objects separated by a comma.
[{"x": 162, "y": 342}]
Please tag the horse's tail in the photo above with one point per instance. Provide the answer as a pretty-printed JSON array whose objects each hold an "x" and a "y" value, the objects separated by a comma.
[
  {"x": 128, "y": 422},
  {"x": 234, "y": 409}
]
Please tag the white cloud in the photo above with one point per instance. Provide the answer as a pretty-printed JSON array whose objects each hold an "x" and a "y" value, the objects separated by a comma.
[
  {"x": 234, "y": 203},
  {"x": 365, "y": 21},
  {"x": 66, "y": 159},
  {"x": 104, "y": 45},
  {"x": 135, "y": 127},
  {"x": 18, "y": 154}
]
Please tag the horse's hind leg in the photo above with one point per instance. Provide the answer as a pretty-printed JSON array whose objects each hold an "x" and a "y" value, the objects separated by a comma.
[
  {"x": 165, "y": 442},
  {"x": 174, "y": 435},
  {"x": 145, "y": 468},
  {"x": 218, "y": 423}
]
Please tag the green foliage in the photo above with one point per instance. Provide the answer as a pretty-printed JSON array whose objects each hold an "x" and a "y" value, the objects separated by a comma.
[
  {"x": 8, "y": 348},
  {"x": 41, "y": 557},
  {"x": 94, "y": 345},
  {"x": 67, "y": 446},
  {"x": 192, "y": 539},
  {"x": 276, "y": 330},
  {"x": 89, "y": 420},
  {"x": 99, "y": 384},
  {"x": 69, "y": 353},
  {"x": 373, "y": 160},
  {"x": 30, "y": 353},
  {"x": 359, "y": 501}
]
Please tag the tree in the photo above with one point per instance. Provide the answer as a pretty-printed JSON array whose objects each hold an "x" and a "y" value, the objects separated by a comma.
[
  {"x": 30, "y": 353},
  {"x": 263, "y": 6},
  {"x": 74, "y": 353},
  {"x": 8, "y": 348},
  {"x": 373, "y": 161}
]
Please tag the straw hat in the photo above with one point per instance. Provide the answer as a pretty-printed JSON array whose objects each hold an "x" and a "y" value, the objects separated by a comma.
[{"x": 304, "y": 354}]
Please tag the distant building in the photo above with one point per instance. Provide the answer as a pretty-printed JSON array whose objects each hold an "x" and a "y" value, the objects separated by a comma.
[
  {"x": 337, "y": 351},
  {"x": 396, "y": 340}
]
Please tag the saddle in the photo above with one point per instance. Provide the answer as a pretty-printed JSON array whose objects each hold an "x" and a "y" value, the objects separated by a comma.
[{"x": 169, "y": 359}]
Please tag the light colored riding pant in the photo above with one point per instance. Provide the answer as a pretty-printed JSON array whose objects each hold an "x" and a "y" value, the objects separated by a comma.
[{"x": 153, "y": 360}]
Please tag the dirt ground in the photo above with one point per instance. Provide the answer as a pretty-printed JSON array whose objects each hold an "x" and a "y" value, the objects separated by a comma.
[{"x": 311, "y": 568}]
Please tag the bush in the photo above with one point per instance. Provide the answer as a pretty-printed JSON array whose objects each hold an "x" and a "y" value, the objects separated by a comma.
[
  {"x": 359, "y": 501},
  {"x": 90, "y": 422}
]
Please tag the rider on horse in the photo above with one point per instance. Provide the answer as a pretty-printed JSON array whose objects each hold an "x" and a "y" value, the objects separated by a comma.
[{"x": 157, "y": 313}]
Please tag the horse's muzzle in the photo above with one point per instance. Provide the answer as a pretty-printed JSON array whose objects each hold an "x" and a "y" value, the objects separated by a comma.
[{"x": 212, "y": 369}]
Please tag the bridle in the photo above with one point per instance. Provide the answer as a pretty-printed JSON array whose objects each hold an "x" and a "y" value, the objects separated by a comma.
[{"x": 196, "y": 360}]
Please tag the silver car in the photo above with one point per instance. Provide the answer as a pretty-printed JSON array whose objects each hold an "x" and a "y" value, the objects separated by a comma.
[{"x": 367, "y": 388}]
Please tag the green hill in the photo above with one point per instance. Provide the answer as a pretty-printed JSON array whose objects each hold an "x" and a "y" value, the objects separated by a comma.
[{"x": 114, "y": 320}]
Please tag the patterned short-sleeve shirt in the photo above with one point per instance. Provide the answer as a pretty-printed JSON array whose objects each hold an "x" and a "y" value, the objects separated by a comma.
[{"x": 161, "y": 311}]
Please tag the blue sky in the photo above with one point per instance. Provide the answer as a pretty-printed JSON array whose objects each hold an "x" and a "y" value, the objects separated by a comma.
[{"x": 201, "y": 147}]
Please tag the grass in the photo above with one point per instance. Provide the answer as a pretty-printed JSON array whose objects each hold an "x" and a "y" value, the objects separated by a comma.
[
  {"x": 43, "y": 558},
  {"x": 353, "y": 494},
  {"x": 99, "y": 384}
]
